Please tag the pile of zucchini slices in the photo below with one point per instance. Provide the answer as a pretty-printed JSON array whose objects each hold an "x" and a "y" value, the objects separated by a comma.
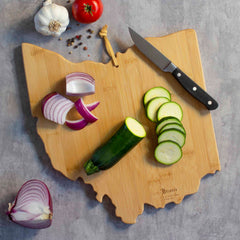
[{"x": 167, "y": 115}]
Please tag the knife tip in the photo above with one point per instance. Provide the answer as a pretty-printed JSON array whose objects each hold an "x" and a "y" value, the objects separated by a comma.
[{"x": 131, "y": 31}]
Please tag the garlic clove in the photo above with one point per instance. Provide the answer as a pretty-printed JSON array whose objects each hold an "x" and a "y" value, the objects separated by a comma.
[
  {"x": 41, "y": 20},
  {"x": 58, "y": 12},
  {"x": 46, "y": 12},
  {"x": 64, "y": 25},
  {"x": 62, "y": 29},
  {"x": 56, "y": 34},
  {"x": 43, "y": 30}
]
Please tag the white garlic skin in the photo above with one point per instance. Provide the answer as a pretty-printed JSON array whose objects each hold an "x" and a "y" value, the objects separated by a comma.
[{"x": 51, "y": 19}]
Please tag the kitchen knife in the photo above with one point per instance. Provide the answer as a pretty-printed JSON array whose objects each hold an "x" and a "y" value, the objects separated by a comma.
[{"x": 167, "y": 66}]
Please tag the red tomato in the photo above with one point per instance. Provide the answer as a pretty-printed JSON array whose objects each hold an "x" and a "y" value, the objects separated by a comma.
[{"x": 87, "y": 11}]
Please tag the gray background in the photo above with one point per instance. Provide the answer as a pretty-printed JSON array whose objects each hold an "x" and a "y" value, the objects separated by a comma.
[{"x": 213, "y": 212}]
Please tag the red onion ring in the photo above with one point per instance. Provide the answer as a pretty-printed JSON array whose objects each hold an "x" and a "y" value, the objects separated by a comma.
[
  {"x": 45, "y": 99},
  {"x": 77, "y": 124},
  {"x": 79, "y": 84},
  {"x": 83, "y": 110},
  {"x": 80, "y": 124},
  {"x": 92, "y": 106},
  {"x": 32, "y": 206},
  {"x": 55, "y": 107}
]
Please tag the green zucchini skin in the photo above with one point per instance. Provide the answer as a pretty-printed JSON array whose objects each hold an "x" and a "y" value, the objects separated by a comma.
[{"x": 112, "y": 151}]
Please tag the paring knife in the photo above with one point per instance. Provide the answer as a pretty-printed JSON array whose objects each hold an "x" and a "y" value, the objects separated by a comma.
[{"x": 167, "y": 66}]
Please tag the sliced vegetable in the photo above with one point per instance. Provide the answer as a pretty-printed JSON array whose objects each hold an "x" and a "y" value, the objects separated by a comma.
[
  {"x": 168, "y": 152},
  {"x": 76, "y": 124},
  {"x": 46, "y": 98},
  {"x": 165, "y": 121},
  {"x": 156, "y": 92},
  {"x": 153, "y": 106},
  {"x": 79, "y": 84},
  {"x": 84, "y": 112},
  {"x": 173, "y": 126},
  {"x": 32, "y": 206},
  {"x": 170, "y": 109},
  {"x": 81, "y": 123},
  {"x": 172, "y": 135},
  {"x": 55, "y": 107},
  {"x": 170, "y": 130},
  {"x": 128, "y": 136},
  {"x": 92, "y": 106}
]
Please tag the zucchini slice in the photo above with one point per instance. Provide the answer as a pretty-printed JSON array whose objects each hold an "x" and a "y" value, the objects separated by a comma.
[
  {"x": 128, "y": 136},
  {"x": 168, "y": 152},
  {"x": 164, "y": 121},
  {"x": 170, "y": 109},
  {"x": 153, "y": 106},
  {"x": 172, "y": 135},
  {"x": 156, "y": 92},
  {"x": 173, "y": 126}
]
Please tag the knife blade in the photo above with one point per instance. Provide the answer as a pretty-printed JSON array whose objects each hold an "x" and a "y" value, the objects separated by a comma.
[{"x": 166, "y": 65}]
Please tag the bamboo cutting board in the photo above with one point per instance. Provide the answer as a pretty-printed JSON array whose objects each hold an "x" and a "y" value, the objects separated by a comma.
[{"x": 137, "y": 178}]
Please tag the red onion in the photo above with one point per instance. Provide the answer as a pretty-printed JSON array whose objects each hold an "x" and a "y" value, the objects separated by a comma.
[
  {"x": 77, "y": 124},
  {"x": 80, "y": 124},
  {"x": 32, "y": 206},
  {"x": 83, "y": 110},
  {"x": 92, "y": 106},
  {"x": 56, "y": 107},
  {"x": 46, "y": 98},
  {"x": 79, "y": 84}
]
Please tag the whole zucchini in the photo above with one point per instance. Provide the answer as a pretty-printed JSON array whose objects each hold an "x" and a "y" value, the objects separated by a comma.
[{"x": 127, "y": 136}]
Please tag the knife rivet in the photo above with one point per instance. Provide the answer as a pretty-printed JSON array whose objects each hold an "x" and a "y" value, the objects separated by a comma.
[
  {"x": 209, "y": 102},
  {"x": 194, "y": 89},
  {"x": 179, "y": 74}
]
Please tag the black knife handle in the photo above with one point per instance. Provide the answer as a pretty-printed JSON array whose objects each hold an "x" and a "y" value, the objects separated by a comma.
[{"x": 194, "y": 89}]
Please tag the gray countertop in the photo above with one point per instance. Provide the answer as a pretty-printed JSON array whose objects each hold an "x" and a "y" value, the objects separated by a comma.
[{"x": 212, "y": 213}]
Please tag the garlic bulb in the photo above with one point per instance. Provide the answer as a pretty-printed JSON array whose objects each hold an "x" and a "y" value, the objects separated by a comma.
[{"x": 51, "y": 19}]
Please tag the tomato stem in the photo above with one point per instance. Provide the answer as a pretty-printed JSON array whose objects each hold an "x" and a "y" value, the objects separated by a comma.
[{"x": 88, "y": 8}]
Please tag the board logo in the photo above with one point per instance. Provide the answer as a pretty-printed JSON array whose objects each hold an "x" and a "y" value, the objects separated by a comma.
[{"x": 166, "y": 191}]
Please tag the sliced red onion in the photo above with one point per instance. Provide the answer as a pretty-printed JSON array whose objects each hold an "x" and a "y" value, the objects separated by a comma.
[
  {"x": 83, "y": 110},
  {"x": 45, "y": 99},
  {"x": 92, "y": 106},
  {"x": 79, "y": 84},
  {"x": 80, "y": 124},
  {"x": 77, "y": 124},
  {"x": 32, "y": 206},
  {"x": 55, "y": 107}
]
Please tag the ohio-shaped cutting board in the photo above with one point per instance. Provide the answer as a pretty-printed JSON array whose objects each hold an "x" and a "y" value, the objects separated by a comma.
[{"x": 137, "y": 178}]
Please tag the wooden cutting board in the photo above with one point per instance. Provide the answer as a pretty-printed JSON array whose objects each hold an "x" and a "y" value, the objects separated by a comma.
[{"x": 136, "y": 179}]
